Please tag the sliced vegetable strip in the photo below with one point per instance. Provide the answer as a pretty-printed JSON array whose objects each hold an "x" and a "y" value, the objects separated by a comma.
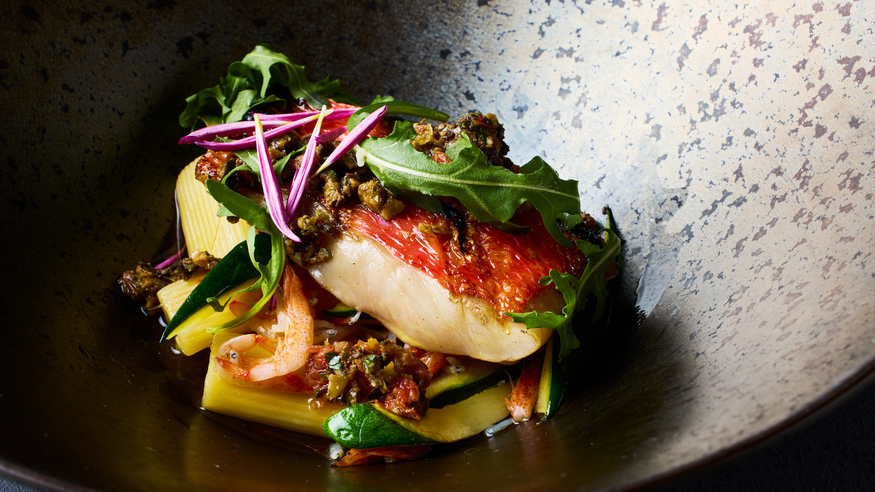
[
  {"x": 336, "y": 115},
  {"x": 208, "y": 133},
  {"x": 272, "y": 196},
  {"x": 329, "y": 136},
  {"x": 231, "y": 271},
  {"x": 355, "y": 136},
  {"x": 303, "y": 172},
  {"x": 245, "y": 143},
  {"x": 169, "y": 261}
]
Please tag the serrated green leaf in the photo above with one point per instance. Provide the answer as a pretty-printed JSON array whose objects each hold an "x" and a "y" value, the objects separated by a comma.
[
  {"x": 247, "y": 85},
  {"x": 250, "y": 162},
  {"x": 395, "y": 108},
  {"x": 276, "y": 68},
  {"x": 493, "y": 194},
  {"x": 238, "y": 205},
  {"x": 231, "y": 271},
  {"x": 200, "y": 102},
  {"x": 381, "y": 100},
  {"x": 575, "y": 291},
  {"x": 270, "y": 276},
  {"x": 271, "y": 268}
]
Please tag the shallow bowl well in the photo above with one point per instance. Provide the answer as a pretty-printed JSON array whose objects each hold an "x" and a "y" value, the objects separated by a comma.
[{"x": 732, "y": 140}]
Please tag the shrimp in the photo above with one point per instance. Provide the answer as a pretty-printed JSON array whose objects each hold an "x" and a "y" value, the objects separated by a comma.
[{"x": 290, "y": 350}]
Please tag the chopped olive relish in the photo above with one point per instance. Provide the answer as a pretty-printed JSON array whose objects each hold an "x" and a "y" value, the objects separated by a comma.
[{"x": 371, "y": 370}]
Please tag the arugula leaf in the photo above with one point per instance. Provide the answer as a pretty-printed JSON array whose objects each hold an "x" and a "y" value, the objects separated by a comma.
[
  {"x": 575, "y": 290},
  {"x": 237, "y": 205},
  {"x": 270, "y": 276},
  {"x": 248, "y": 83},
  {"x": 250, "y": 162},
  {"x": 262, "y": 61},
  {"x": 381, "y": 100},
  {"x": 202, "y": 105},
  {"x": 491, "y": 193},
  {"x": 398, "y": 108}
]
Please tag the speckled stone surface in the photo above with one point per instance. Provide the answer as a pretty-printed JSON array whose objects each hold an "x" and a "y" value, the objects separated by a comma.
[{"x": 733, "y": 141}]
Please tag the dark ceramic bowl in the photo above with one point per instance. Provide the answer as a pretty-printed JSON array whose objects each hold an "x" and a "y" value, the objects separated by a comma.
[{"x": 733, "y": 142}]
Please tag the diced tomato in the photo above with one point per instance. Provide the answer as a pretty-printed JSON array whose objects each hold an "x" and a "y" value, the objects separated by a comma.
[{"x": 435, "y": 361}]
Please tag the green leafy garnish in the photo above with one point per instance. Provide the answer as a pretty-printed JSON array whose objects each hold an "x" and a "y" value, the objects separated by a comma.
[
  {"x": 395, "y": 108},
  {"x": 369, "y": 362},
  {"x": 248, "y": 84},
  {"x": 334, "y": 361},
  {"x": 250, "y": 162},
  {"x": 493, "y": 194},
  {"x": 231, "y": 271},
  {"x": 237, "y": 205},
  {"x": 575, "y": 291}
]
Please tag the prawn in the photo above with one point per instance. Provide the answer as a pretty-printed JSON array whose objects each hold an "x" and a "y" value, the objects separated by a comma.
[{"x": 290, "y": 350}]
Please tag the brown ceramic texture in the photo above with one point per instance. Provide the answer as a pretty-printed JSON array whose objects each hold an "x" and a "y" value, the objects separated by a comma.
[{"x": 733, "y": 140}]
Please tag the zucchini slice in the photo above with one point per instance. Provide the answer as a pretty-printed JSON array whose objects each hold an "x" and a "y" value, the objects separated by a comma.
[
  {"x": 368, "y": 426},
  {"x": 478, "y": 375}
]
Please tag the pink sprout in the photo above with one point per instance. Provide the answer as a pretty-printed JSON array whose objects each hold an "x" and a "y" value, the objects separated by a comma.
[
  {"x": 272, "y": 196},
  {"x": 169, "y": 261},
  {"x": 300, "y": 180},
  {"x": 334, "y": 115},
  {"x": 355, "y": 136}
]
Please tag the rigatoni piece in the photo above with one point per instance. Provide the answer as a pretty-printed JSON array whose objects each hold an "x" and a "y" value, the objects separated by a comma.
[
  {"x": 286, "y": 410},
  {"x": 191, "y": 336},
  {"x": 228, "y": 235},
  {"x": 203, "y": 230},
  {"x": 172, "y": 296}
]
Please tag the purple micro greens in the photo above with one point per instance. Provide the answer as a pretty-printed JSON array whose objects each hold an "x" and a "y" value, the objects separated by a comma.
[
  {"x": 208, "y": 133},
  {"x": 169, "y": 261},
  {"x": 272, "y": 196},
  {"x": 303, "y": 173},
  {"x": 355, "y": 136},
  {"x": 335, "y": 114},
  {"x": 245, "y": 143},
  {"x": 329, "y": 136}
]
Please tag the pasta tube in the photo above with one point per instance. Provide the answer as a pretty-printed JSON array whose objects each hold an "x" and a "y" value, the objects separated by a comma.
[
  {"x": 202, "y": 228},
  {"x": 191, "y": 336},
  {"x": 280, "y": 409}
]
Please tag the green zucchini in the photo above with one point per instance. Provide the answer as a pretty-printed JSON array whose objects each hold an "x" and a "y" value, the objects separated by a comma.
[
  {"x": 367, "y": 425},
  {"x": 478, "y": 375},
  {"x": 231, "y": 271},
  {"x": 341, "y": 310}
]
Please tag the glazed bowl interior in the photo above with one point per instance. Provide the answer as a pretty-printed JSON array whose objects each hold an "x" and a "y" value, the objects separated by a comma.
[{"x": 733, "y": 143}]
